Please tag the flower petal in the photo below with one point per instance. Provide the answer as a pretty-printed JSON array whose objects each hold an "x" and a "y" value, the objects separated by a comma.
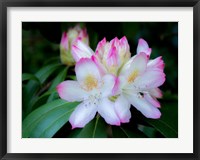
[
  {"x": 152, "y": 100},
  {"x": 122, "y": 108},
  {"x": 115, "y": 42},
  {"x": 146, "y": 108},
  {"x": 100, "y": 66},
  {"x": 82, "y": 115},
  {"x": 136, "y": 67},
  {"x": 84, "y": 36},
  {"x": 100, "y": 48},
  {"x": 156, "y": 92},
  {"x": 81, "y": 50},
  {"x": 113, "y": 57},
  {"x": 108, "y": 84},
  {"x": 119, "y": 85},
  {"x": 86, "y": 67},
  {"x": 156, "y": 64},
  {"x": 139, "y": 62},
  {"x": 143, "y": 47},
  {"x": 107, "y": 110},
  {"x": 150, "y": 79},
  {"x": 127, "y": 65},
  {"x": 116, "y": 88},
  {"x": 64, "y": 41},
  {"x": 71, "y": 91},
  {"x": 124, "y": 44}
]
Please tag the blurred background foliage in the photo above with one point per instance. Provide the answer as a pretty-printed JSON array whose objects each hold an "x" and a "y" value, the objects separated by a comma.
[{"x": 41, "y": 48}]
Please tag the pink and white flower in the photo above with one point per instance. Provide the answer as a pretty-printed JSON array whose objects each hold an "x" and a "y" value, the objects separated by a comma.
[
  {"x": 109, "y": 82},
  {"x": 139, "y": 82},
  {"x": 93, "y": 91},
  {"x": 68, "y": 39}
]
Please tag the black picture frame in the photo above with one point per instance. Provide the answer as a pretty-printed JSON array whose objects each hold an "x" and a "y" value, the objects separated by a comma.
[{"x": 4, "y": 4}]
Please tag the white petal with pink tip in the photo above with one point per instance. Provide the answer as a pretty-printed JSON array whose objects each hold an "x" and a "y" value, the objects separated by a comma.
[
  {"x": 143, "y": 47},
  {"x": 107, "y": 110},
  {"x": 150, "y": 80},
  {"x": 71, "y": 91},
  {"x": 86, "y": 68},
  {"x": 146, "y": 108},
  {"x": 82, "y": 115},
  {"x": 136, "y": 67},
  {"x": 156, "y": 64},
  {"x": 108, "y": 82},
  {"x": 122, "y": 108},
  {"x": 81, "y": 50},
  {"x": 156, "y": 92},
  {"x": 152, "y": 100}
]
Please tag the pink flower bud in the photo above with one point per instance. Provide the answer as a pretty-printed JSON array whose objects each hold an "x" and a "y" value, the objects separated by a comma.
[
  {"x": 113, "y": 54},
  {"x": 64, "y": 41},
  {"x": 67, "y": 40}
]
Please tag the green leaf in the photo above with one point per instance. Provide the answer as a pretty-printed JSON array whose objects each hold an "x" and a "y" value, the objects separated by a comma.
[
  {"x": 38, "y": 101},
  {"x": 74, "y": 133},
  {"x": 42, "y": 75},
  {"x": 52, "y": 97},
  {"x": 73, "y": 77},
  {"x": 60, "y": 77},
  {"x": 120, "y": 132},
  {"x": 167, "y": 125},
  {"x": 53, "y": 60},
  {"x": 95, "y": 129},
  {"x": 32, "y": 86},
  {"x": 148, "y": 131},
  {"x": 46, "y": 120},
  {"x": 28, "y": 76}
]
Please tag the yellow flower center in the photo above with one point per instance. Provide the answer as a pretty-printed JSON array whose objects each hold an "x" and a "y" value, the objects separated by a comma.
[
  {"x": 90, "y": 82},
  {"x": 132, "y": 76}
]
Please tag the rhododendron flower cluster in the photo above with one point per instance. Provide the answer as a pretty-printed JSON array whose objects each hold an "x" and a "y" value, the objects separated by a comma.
[
  {"x": 109, "y": 81},
  {"x": 67, "y": 40}
]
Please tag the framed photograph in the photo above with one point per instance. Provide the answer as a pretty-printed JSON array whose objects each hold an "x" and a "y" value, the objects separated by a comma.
[{"x": 100, "y": 79}]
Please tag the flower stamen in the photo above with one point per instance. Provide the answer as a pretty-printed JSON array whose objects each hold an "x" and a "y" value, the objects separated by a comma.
[{"x": 90, "y": 83}]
